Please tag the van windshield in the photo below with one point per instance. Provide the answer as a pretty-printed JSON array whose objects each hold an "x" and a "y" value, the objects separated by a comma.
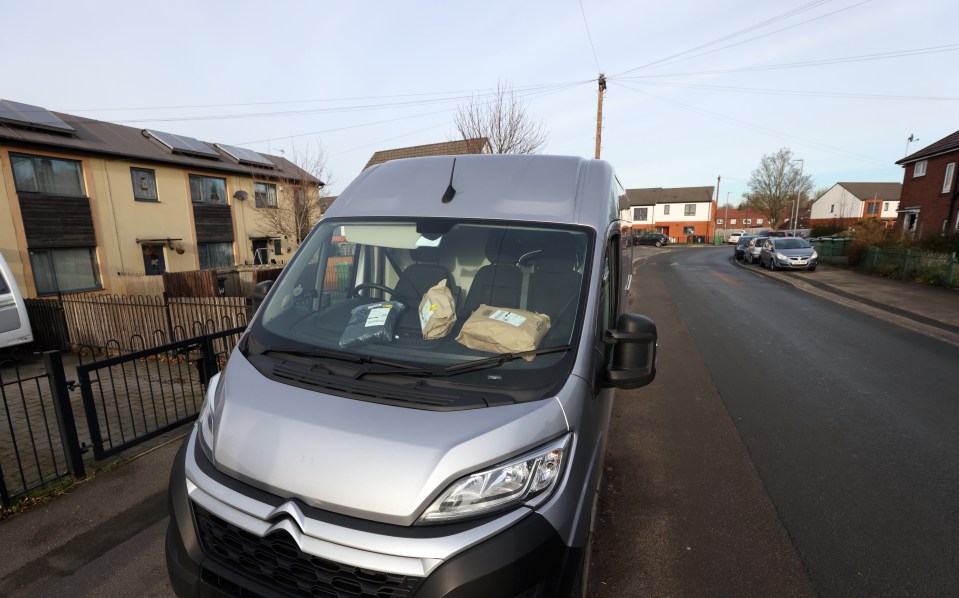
[{"x": 436, "y": 293}]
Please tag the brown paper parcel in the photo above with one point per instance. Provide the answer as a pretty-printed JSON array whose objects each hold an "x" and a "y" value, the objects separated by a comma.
[
  {"x": 504, "y": 330},
  {"x": 437, "y": 311}
]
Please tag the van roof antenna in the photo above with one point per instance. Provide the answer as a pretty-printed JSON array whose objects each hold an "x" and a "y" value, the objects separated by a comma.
[{"x": 450, "y": 191}]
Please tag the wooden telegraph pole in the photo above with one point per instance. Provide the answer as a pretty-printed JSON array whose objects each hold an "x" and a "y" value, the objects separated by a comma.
[{"x": 599, "y": 113}]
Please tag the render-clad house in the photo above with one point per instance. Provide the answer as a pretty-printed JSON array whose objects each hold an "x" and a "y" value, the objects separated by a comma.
[
  {"x": 478, "y": 145},
  {"x": 82, "y": 201},
  {"x": 930, "y": 189},
  {"x": 679, "y": 212},
  {"x": 845, "y": 203}
]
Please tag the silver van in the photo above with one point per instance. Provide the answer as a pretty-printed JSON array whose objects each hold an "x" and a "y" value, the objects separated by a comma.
[
  {"x": 347, "y": 451},
  {"x": 14, "y": 323}
]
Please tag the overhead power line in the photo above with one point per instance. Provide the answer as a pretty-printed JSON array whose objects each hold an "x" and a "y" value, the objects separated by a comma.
[
  {"x": 800, "y": 92},
  {"x": 755, "y": 127},
  {"x": 805, "y": 63},
  {"x": 589, "y": 35}
]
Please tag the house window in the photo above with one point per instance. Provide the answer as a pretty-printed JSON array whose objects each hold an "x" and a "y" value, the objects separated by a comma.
[
  {"x": 885, "y": 207},
  {"x": 50, "y": 176},
  {"x": 832, "y": 208},
  {"x": 872, "y": 208},
  {"x": 215, "y": 255},
  {"x": 640, "y": 213},
  {"x": 919, "y": 169},
  {"x": 719, "y": 221},
  {"x": 947, "y": 182},
  {"x": 666, "y": 209},
  {"x": 759, "y": 221},
  {"x": 732, "y": 221},
  {"x": 689, "y": 230},
  {"x": 690, "y": 210},
  {"x": 144, "y": 184},
  {"x": 154, "y": 263},
  {"x": 65, "y": 270},
  {"x": 207, "y": 189},
  {"x": 265, "y": 194},
  {"x": 747, "y": 221}
]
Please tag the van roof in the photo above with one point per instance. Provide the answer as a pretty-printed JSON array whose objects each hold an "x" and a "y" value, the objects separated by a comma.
[{"x": 509, "y": 187}]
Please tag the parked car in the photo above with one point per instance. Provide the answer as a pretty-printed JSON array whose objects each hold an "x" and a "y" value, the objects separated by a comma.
[
  {"x": 657, "y": 239},
  {"x": 788, "y": 253},
  {"x": 751, "y": 251},
  {"x": 740, "y": 247},
  {"x": 14, "y": 323},
  {"x": 734, "y": 238}
]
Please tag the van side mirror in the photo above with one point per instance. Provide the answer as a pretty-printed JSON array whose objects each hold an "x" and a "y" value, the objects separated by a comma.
[{"x": 634, "y": 352}]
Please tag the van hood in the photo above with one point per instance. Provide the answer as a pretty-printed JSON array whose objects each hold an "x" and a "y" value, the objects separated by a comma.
[{"x": 368, "y": 460}]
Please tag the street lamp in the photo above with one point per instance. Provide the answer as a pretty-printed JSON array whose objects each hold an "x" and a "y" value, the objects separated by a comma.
[{"x": 798, "y": 191}]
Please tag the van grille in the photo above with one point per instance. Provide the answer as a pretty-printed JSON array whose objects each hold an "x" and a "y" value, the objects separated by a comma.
[{"x": 276, "y": 561}]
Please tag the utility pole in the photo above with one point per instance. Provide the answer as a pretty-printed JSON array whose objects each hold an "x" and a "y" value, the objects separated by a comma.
[{"x": 599, "y": 113}]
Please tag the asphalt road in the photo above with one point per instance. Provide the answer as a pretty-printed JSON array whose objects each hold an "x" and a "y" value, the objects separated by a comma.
[{"x": 785, "y": 436}]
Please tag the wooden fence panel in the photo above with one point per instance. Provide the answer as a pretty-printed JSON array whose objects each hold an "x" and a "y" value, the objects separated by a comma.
[
  {"x": 193, "y": 283},
  {"x": 118, "y": 324}
]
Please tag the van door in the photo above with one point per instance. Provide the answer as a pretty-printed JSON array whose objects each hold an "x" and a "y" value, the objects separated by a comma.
[{"x": 14, "y": 324}]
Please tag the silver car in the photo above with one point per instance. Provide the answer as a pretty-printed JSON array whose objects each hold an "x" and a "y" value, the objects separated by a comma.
[
  {"x": 752, "y": 249},
  {"x": 788, "y": 253}
]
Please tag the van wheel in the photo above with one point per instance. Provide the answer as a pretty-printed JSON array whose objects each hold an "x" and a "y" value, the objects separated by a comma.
[{"x": 659, "y": 243}]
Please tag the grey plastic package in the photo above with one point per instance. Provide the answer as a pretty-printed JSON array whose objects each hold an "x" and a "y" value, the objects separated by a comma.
[{"x": 373, "y": 322}]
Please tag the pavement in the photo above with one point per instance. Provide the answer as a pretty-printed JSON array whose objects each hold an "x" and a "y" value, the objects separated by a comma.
[{"x": 31, "y": 541}]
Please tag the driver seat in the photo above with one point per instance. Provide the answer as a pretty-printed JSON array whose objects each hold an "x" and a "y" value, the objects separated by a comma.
[{"x": 420, "y": 276}]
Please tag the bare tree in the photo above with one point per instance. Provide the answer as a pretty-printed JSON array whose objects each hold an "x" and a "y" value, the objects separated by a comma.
[
  {"x": 503, "y": 120},
  {"x": 776, "y": 184},
  {"x": 299, "y": 198}
]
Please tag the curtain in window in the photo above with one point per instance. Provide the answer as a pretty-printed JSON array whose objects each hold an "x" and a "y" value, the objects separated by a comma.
[
  {"x": 144, "y": 184},
  {"x": 215, "y": 255},
  {"x": 64, "y": 270},
  {"x": 36, "y": 174},
  {"x": 205, "y": 189},
  {"x": 265, "y": 195}
]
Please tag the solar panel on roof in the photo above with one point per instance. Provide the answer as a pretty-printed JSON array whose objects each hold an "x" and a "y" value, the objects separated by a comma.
[
  {"x": 245, "y": 155},
  {"x": 34, "y": 116},
  {"x": 183, "y": 144}
]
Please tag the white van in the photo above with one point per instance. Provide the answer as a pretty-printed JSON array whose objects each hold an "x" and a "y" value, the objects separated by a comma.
[
  {"x": 425, "y": 414},
  {"x": 14, "y": 323}
]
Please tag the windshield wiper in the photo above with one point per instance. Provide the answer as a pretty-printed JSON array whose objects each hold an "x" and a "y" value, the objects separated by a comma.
[
  {"x": 396, "y": 366},
  {"x": 498, "y": 360}
]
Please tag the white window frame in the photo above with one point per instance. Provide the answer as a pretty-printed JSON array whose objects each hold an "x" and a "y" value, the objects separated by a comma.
[
  {"x": 747, "y": 221},
  {"x": 759, "y": 221},
  {"x": 719, "y": 221},
  {"x": 919, "y": 169},
  {"x": 689, "y": 209},
  {"x": 947, "y": 181},
  {"x": 666, "y": 210}
]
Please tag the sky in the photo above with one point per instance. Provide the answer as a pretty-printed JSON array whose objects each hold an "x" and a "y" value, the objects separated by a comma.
[{"x": 696, "y": 89}]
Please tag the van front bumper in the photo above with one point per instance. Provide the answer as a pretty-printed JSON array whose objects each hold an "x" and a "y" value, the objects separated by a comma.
[{"x": 521, "y": 561}]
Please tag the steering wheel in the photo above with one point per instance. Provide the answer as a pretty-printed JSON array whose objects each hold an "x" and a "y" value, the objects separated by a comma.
[{"x": 355, "y": 292}]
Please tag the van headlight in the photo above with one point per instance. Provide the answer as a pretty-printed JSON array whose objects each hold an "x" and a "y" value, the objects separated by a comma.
[
  {"x": 529, "y": 479},
  {"x": 206, "y": 421}
]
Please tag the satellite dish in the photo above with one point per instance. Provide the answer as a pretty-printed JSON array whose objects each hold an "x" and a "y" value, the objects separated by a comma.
[{"x": 240, "y": 195}]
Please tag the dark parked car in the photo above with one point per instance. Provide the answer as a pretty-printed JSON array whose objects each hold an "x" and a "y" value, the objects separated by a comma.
[
  {"x": 741, "y": 246},
  {"x": 788, "y": 253},
  {"x": 657, "y": 239}
]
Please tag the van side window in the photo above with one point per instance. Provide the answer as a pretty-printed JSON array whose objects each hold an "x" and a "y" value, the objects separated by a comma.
[
  {"x": 4, "y": 287},
  {"x": 609, "y": 293}
]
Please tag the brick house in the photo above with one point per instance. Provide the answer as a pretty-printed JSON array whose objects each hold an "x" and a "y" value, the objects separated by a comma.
[
  {"x": 679, "y": 212},
  {"x": 479, "y": 145},
  {"x": 930, "y": 190},
  {"x": 845, "y": 203}
]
